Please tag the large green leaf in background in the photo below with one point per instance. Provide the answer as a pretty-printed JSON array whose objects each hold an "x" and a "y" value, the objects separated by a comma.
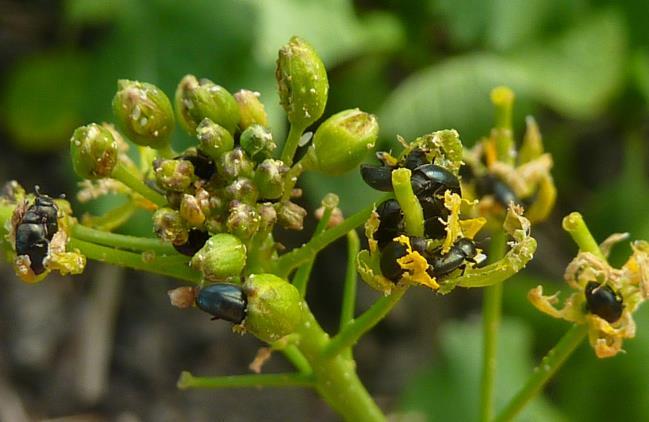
[
  {"x": 449, "y": 389},
  {"x": 574, "y": 73}
]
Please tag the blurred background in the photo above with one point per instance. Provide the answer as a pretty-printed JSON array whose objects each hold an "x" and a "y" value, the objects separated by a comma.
[{"x": 107, "y": 345}]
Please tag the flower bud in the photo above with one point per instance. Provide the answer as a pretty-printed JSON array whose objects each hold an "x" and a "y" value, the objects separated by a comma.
[
  {"x": 243, "y": 190},
  {"x": 175, "y": 175},
  {"x": 257, "y": 141},
  {"x": 343, "y": 140},
  {"x": 251, "y": 110},
  {"x": 235, "y": 164},
  {"x": 243, "y": 220},
  {"x": 290, "y": 215},
  {"x": 267, "y": 216},
  {"x": 214, "y": 139},
  {"x": 182, "y": 297},
  {"x": 196, "y": 100},
  {"x": 169, "y": 226},
  {"x": 94, "y": 152},
  {"x": 269, "y": 178},
  {"x": 190, "y": 211},
  {"x": 223, "y": 257},
  {"x": 275, "y": 307},
  {"x": 302, "y": 82},
  {"x": 144, "y": 113}
]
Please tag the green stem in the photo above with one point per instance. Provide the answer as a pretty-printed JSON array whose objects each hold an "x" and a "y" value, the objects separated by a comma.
[
  {"x": 121, "y": 241},
  {"x": 289, "y": 261},
  {"x": 491, "y": 314},
  {"x": 503, "y": 100},
  {"x": 349, "y": 290},
  {"x": 293, "y": 354},
  {"x": 413, "y": 215},
  {"x": 291, "y": 144},
  {"x": 302, "y": 275},
  {"x": 167, "y": 151},
  {"x": 574, "y": 224},
  {"x": 124, "y": 175},
  {"x": 173, "y": 266},
  {"x": 112, "y": 219},
  {"x": 354, "y": 330},
  {"x": 542, "y": 373},
  {"x": 187, "y": 380}
]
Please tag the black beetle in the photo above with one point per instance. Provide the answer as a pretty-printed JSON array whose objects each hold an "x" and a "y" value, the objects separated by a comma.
[
  {"x": 602, "y": 301},
  {"x": 416, "y": 157},
  {"x": 394, "y": 250},
  {"x": 463, "y": 250},
  {"x": 195, "y": 242},
  {"x": 377, "y": 177},
  {"x": 223, "y": 301},
  {"x": 390, "y": 217},
  {"x": 434, "y": 209},
  {"x": 431, "y": 179},
  {"x": 35, "y": 230},
  {"x": 204, "y": 167},
  {"x": 491, "y": 185}
]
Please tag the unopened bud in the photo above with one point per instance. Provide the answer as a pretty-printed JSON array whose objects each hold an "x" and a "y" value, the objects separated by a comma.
[
  {"x": 257, "y": 141},
  {"x": 235, "y": 164},
  {"x": 343, "y": 140},
  {"x": 243, "y": 190},
  {"x": 169, "y": 226},
  {"x": 191, "y": 211},
  {"x": 182, "y": 297},
  {"x": 144, "y": 113},
  {"x": 94, "y": 152},
  {"x": 196, "y": 100},
  {"x": 243, "y": 220},
  {"x": 175, "y": 175},
  {"x": 302, "y": 82},
  {"x": 251, "y": 110},
  {"x": 214, "y": 139},
  {"x": 290, "y": 215},
  {"x": 269, "y": 178},
  {"x": 267, "y": 216},
  {"x": 223, "y": 257}
]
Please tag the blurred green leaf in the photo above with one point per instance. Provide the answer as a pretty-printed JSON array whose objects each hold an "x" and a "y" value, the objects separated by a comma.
[
  {"x": 640, "y": 72},
  {"x": 515, "y": 22},
  {"x": 449, "y": 390},
  {"x": 42, "y": 100},
  {"x": 92, "y": 11}
]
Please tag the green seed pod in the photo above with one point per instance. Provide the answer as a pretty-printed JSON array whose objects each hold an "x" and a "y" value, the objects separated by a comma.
[
  {"x": 235, "y": 164},
  {"x": 190, "y": 211},
  {"x": 251, "y": 110},
  {"x": 242, "y": 189},
  {"x": 214, "y": 139},
  {"x": 343, "y": 140},
  {"x": 144, "y": 113},
  {"x": 243, "y": 220},
  {"x": 302, "y": 82},
  {"x": 223, "y": 257},
  {"x": 196, "y": 100},
  {"x": 257, "y": 141},
  {"x": 269, "y": 178},
  {"x": 275, "y": 308},
  {"x": 94, "y": 152},
  {"x": 290, "y": 215},
  {"x": 169, "y": 226},
  {"x": 175, "y": 175}
]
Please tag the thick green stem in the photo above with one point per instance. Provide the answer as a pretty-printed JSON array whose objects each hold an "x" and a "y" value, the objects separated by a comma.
[
  {"x": 124, "y": 175},
  {"x": 288, "y": 262},
  {"x": 293, "y": 354},
  {"x": 291, "y": 144},
  {"x": 187, "y": 380},
  {"x": 121, "y": 241},
  {"x": 574, "y": 224},
  {"x": 413, "y": 215},
  {"x": 173, "y": 266},
  {"x": 542, "y": 373},
  {"x": 354, "y": 330},
  {"x": 302, "y": 275},
  {"x": 491, "y": 314}
]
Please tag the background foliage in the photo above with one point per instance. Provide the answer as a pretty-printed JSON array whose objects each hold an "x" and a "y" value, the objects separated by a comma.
[{"x": 580, "y": 67}]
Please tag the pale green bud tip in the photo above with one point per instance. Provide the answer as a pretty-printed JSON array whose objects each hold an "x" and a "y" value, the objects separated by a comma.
[
  {"x": 269, "y": 178},
  {"x": 214, "y": 139},
  {"x": 251, "y": 109},
  {"x": 243, "y": 220},
  {"x": 302, "y": 82},
  {"x": 275, "y": 307},
  {"x": 169, "y": 226},
  {"x": 196, "y": 100},
  {"x": 222, "y": 258},
  {"x": 174, "y": 175},
  {"x": 257, "y": 141},
  {"x": 234, "y": 164},
  {"x": 343, "y": 140},
  {"x": 94, "y": 151},
  {"x": 144, "y": 113}
]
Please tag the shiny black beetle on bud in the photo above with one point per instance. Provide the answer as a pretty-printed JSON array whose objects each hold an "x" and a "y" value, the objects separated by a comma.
[
  {"x": 463, "y": 250},
  {"x": 602, "y": 301},
  {"x": 35, "y": 230},
  {"x": 223, "y": 301},
  {"x": 394, "y": 250},
  {"x": 502, "y": 193},
  {"x": 430, "y": 179},
  {"x": 390, "y": 217},
  {"x": 195, "y": 241}
]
